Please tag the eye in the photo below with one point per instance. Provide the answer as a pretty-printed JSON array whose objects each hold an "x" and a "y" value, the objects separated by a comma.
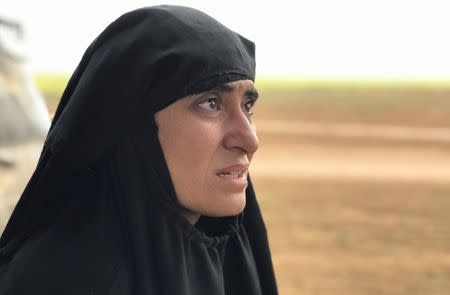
[
  {"x": 248, "y": 105},
  {"x": 210, "y": 104}
]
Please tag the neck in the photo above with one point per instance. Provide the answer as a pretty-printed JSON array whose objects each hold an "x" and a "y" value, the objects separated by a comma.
[{"x": 191, "y": 217}]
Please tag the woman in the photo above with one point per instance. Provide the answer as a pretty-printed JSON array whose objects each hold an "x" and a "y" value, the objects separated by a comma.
[{"x": 142, "y": 182}]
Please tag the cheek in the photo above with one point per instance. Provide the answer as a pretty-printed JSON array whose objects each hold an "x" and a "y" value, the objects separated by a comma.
[
  {"x": 190, "y": 150},
  {"x": 193, "y": 151}
]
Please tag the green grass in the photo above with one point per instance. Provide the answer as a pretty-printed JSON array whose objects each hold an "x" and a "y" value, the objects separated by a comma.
[
  {"x": 299, "y": 82},
  {"x": 51, "y": 83},
  {"x": 51, "y": 86},
  {"x": 56, "y": 81}
]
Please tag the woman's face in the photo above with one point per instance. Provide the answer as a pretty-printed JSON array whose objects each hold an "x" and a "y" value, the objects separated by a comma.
[{"x": 208, "y": 141}]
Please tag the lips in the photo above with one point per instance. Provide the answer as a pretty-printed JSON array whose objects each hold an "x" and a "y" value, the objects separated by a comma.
[{"x": 234, "y": 171}]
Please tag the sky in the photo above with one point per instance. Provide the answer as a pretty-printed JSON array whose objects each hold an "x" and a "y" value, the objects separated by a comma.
[{"x": 377, "y": 39}]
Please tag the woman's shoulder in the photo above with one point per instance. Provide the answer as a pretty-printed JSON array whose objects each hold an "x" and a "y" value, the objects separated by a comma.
[{"x": 64, "y": 261}]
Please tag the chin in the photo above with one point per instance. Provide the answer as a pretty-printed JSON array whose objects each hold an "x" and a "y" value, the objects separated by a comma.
[{"x": 233, "y": 205}]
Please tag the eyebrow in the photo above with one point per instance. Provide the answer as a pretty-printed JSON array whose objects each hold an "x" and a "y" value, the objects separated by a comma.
[{"x": 250, "y": 93}]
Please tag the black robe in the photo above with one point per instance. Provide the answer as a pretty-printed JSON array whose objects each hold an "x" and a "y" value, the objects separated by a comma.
[{"x": 100, "y": 215}]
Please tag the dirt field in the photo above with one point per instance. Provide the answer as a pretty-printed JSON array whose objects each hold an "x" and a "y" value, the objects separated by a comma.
[
  {"x": 356, "y": 216},
  {"x": 355, "y": 193},
  {"x": 355, "y": 184}
]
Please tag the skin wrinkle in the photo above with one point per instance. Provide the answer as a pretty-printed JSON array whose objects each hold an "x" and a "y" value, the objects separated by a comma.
[{"x": 213, "y": 140}]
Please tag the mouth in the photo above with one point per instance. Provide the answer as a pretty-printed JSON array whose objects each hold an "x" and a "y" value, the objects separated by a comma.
[
  {"x": 235, "y": 171},
  {"x": 231, "y": 174}
]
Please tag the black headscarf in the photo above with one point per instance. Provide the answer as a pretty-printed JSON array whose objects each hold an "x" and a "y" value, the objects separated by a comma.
[{"x": 100, "y": 215}]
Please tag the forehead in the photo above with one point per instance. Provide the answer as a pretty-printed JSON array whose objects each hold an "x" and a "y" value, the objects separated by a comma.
[
  {"x": 234, "y": 86},
  {"x": 244, "y": 88}
]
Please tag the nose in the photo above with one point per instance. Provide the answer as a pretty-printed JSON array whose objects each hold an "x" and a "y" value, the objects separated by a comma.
[{"x": 241, "y": 134}]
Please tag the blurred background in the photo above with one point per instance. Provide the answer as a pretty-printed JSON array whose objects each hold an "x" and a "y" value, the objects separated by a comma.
[{"x": 353, "y": 172}]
